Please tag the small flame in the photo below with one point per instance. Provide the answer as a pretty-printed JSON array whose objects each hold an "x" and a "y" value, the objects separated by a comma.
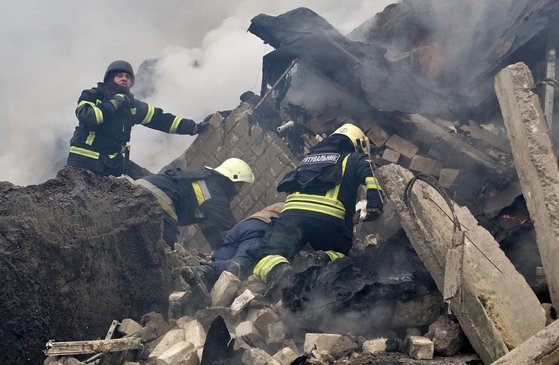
[{"x": 510, "y": 217}]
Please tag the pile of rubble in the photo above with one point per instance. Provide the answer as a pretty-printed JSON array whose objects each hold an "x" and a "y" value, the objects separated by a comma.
[{"x": 244, "y": 326}]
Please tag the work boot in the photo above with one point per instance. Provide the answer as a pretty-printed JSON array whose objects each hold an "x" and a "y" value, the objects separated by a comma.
[
  {"x": 281, "y": 277},
  {"x": 199, "y": 276}
]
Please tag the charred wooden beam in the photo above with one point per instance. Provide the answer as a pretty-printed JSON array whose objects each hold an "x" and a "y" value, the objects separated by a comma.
[
  {"x": 536, "y": 163},
  {"x": 495, "y": 306},
  {"x": 540, "y": 349},
  {"x": 93, "y": 346}
]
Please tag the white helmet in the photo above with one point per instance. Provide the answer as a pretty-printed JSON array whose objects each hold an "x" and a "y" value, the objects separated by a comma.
[
  {"x": 235, "y": 170},
  {"x": 358, "y": 138}
]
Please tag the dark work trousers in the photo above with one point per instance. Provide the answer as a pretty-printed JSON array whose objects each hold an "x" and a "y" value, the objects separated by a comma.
[
  {"x": 289, "y": 234},
  {"x": 234, "y": 255}
]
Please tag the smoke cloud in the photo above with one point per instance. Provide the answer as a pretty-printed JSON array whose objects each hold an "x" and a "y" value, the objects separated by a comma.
[{"x": 52, "y": 50}]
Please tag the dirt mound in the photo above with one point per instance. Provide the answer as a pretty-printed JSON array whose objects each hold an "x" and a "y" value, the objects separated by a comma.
[{"x": 76, "y": 252}]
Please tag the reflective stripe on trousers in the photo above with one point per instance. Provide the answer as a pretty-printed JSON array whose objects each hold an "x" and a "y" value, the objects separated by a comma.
[{"x": 264, "y": 266}]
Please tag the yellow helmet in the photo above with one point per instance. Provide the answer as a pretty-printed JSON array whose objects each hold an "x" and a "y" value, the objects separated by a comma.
[
  {"x": 235, "y": 170},
  {"x": 358, "y": 138}
]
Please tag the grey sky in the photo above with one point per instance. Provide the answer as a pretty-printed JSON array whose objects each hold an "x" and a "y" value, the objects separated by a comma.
[{"x": 52, "y": 50}]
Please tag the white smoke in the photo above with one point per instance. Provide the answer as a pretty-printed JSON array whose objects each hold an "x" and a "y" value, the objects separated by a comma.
[{"x": 52, "y": 50}]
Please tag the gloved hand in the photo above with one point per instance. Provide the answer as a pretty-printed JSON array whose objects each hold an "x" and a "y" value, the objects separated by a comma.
[
  {"x": 119, "y": 100},
  {"x": 372, "y": 214},
  {"x": 201, "y": 127}
]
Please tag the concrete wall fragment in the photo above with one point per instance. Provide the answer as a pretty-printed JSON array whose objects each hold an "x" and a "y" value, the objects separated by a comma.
[{"x": 496, "y": 308}]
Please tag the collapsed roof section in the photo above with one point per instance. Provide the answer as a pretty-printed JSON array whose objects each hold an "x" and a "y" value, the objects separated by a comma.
[{"x": 429, "y": 57}]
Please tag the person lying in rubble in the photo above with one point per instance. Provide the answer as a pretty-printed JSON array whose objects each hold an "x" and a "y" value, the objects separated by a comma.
[
  {"x": 320, "y": 205},
  {"x": 106, "y": 115},
  {"x": 200, "y": 197},
  {"x": 233, "y": 255}
]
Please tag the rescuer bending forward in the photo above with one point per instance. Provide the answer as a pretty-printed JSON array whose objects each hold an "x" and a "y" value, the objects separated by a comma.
[
  {"x": 320, "y": 205},
  {"x": 200, "y": 197}
]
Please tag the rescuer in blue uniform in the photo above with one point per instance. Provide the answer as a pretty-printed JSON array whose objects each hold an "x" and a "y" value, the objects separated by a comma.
[
  {"x": 320, "y": 205},
  {"x": 106, "y": 115},
  {"x": 233, "y": 256}
]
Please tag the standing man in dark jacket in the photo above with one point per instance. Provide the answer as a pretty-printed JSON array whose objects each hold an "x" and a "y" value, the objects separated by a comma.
[
  {"x": 200, "y": 197},
  {"x": 320, "y": 205},
  {"x": 106, "y": 115}
]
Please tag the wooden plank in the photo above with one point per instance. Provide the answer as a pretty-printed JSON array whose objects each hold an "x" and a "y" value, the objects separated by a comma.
[
  {"x": 93, "y": 346},
  {"x": 535, "y": 161},
  {"x": 495, "y": 306}
]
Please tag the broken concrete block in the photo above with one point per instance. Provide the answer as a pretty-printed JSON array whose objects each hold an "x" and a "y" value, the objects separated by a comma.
[
  {"x": 172, "y": 337},
  {"x": 183, "y": 321},
  {"x": 275, "y": 333},
  {"x": 206, "y": 316},
  {"x": 256, "y": 356},
  {"x": 535, "y": 161},
  {"x": 320, "y": 341},
  {"x": 181, "y": 353},
  {"x": 241, "y": 302},
  {"x": 540, "y": 349},
  {"x": 285, "y": 356},
  {"x": 224, "y": 289},
  {"x": 130, "y": 363},
  {"x": 175, "y": 304},
  {"x": 154, "y": 326},
  {"x": 446, "y": 335},
  {"x": 377, "y": 135},
  {"x": 254, "y": 284},
  {"x": 420, "y": 348},
  {"x": 264, "y": 317},
  {"x": 194, "y": 333},
  {"x": 425, "y": 165},
  {"x": 399, "y": 144},
  {"x": 375, "y": 346},
  {"x": 128, "y": 327},
  {"x": 496, "y": 309},
  {"x": 390, "y": 156},
  {"x": 247, "y": 330}
]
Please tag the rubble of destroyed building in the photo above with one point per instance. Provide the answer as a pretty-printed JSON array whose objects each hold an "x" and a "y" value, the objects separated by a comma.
[{"x": 462, "y": 268}]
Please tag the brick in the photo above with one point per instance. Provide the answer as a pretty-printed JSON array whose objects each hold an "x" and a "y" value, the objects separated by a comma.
[
  {"x": 420, "y": 348},
  {"x": 154, "y": 326},
  {"x": 285, "y": 356},
  {"x": 375, "y": 346},
  {"x": 426, "y": 165},
  {"x": 128, "y": 327},
  {"x": 399, "y": 144},
  {"x": 264, "y": 317},
  {"x": 377, "y": 135},
  {"x": 275, "y": 333},
  {"x": 194, "y": 333},
  {"x": 171, "y": 338},
  {"x": 216, "y": 120},
  {"x": 183, "y": 353},
  {"x": 224, "y": 289},
  {"x": 256, "y": 356},
  {"x": 322, "y": 341},
  {"x": 390, "y": 156},
  {"x": 175, "y": 304},
  {"x": 241, "y": 302},
  {"x": 247, "y": 330},
  {"x": 447, "y": 177}
]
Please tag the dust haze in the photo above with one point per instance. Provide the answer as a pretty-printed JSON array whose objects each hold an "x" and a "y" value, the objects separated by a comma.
[{"x": 52, "y": 50}]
